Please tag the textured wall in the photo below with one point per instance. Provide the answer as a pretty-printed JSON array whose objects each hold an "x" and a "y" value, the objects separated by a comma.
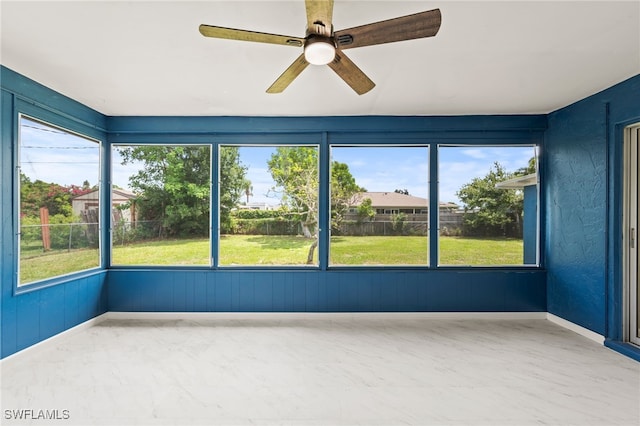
[{"x": 582, "y": 179}]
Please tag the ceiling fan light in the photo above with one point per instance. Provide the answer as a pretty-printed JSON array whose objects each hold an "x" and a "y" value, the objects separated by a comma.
[{"x": 319, "y": 52}]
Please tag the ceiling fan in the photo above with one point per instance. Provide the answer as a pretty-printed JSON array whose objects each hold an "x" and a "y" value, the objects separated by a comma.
[{"x": 323, "y": 46}]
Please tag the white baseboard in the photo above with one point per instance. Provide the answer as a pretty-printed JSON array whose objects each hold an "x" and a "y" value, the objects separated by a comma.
[
  {"x": 576, "y": 328},
  {"x": 55, "y": 338}
]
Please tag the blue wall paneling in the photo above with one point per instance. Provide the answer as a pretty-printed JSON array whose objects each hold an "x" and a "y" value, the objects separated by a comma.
[
  {"x": 34, "y": 313},
  {"x": 580, "y": 192},
  {"x": 366, "y": 290}
]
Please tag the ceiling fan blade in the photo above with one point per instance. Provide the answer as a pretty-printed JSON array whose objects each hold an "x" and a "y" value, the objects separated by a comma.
[
  {"x": 418, "y": 25},
  {"x": 243, "y": 35},
  {"x": 319, "y": 16},
  {"x": 351, "y": 74},
  {"x": 288, "y": 75}
]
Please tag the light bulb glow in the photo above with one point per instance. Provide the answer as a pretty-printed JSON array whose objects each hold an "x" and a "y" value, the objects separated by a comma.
[{"x": 319, "y": 52}]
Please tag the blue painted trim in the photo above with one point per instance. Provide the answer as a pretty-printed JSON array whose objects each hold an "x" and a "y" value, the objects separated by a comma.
[
  {"x": 105, "y": 206},
  {"x": 466, "y": 134},
  {"x": 7, "y": 207},
  {"x": 57, "y": 280},
  {"x": 324, "y": 217},
  {"x": 607, "y": 215},
  {"x": 434, "y": 225},
  {"x": 626, "y": 349},
  {"x": 120, "y": 126},
  {"x": 48, "y": 116},
  {"x": 214, "y": 208},
  {"x": 542, "y": 218},
  {"x": 530, "y": 225},
  {"x": 43, "y": 98}
]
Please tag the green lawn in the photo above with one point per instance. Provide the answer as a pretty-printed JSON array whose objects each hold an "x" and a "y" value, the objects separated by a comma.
[
  {"x": 264, "y": 250},
  {"x": 57, "y": 263},
  {"x": 164, "y": 252},
  {"x": 379, "y": 251},
  {"x": 282, "y": 250}
]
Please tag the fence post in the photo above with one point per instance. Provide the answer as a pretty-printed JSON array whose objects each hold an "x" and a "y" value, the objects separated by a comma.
[
  {"x": 70, "y": 228},
  {"x": 44, "y": 228}
]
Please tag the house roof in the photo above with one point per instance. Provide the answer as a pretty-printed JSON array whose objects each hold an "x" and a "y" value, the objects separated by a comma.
[
  {"x": 518, "y": 182},
  {"x": 392, "y": 199},
  {"x": 124, "y": 193}
]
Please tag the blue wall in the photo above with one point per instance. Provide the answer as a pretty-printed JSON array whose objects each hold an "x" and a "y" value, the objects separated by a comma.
[
  {"x": 327, "y": 291},
  {"x": 30, "y": 315},
  {"x": 583, "y": 166},
  {"x": 33, "y": 313},
  {"x": 530, "y": 225}
]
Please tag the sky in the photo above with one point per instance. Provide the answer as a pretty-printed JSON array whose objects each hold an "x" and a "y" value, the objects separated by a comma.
[
  {"x": 385, "y": 169},
  {"x": 52, "y": 155}
]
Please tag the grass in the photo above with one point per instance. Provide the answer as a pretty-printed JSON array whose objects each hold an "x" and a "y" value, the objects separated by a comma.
[
  {"x": 379, "y": 251},
  {"x": 163, "y": 252},
  {"x": 480, "y": 251},
  {"x": 281, "y": 250},
  {"x": 264, "y": 250},
  {"x": 53, "y": 264}
]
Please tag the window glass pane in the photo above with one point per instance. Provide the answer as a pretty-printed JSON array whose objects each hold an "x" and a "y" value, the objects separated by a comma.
[
  {"x": 268, "y": 205},
  {"x": 161, "y": 205},
  {"x": 59, "y": 202},
  {"x": 379, "y": 206},
  {"x": 488, "y": 205}
]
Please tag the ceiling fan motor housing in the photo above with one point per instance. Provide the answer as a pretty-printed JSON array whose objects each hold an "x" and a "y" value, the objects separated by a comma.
[{"x": 319, "y": 49}]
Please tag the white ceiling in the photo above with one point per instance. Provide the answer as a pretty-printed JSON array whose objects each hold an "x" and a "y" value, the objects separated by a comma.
[{"x": 148, "y": 58}]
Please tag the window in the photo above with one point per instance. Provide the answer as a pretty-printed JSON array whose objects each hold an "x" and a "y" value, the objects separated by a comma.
[
  {"x": 59, "y": 174},
  {"x": 160, "y": 212},
  {"x": 386, "y": 186},
  {"x": 268, "y": 205},
  {"x": 488, "y": 209}
]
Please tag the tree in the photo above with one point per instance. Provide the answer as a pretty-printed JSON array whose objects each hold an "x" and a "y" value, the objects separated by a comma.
[
  {"x": 491, "y": 211},
  {"x": 530, "y": 169},
  {"x": 295, "y": 172},
  {"x": 34, "y": 195},
  {"x": 365, "y": 210},
  {"x": 344, "y": 191},
  {"x": 174, "y": 187},
  {"x": 233, "y": 183},
  {"x": 248, "y": 189}
]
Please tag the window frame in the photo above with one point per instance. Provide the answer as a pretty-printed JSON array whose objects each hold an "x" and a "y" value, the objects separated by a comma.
[
  {"x": 269, "y": 142},
  {"x": 488, "y": 143},
  {"x": 378, "y": 142},
  {"x": 70, "y": 126},
  {"x": 212, "y": 185}
]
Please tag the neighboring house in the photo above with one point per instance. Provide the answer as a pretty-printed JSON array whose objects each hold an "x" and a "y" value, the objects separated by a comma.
[
  {"x": 386, "y": 204},
  {"x": 84, "y": 203},
  {"x": 257, "y": 206},
  {"x": 529, "y": 185}
]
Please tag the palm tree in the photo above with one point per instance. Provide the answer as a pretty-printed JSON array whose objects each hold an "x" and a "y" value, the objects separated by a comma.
[{"x": 248, "y": 189}]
